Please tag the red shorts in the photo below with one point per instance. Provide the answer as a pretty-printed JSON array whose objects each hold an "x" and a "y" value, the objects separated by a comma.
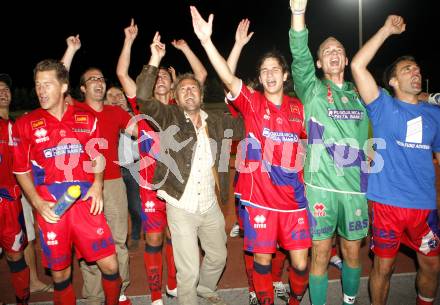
[
  {"x": 89, "y": 234},
  {"x": 264, "y": 229},
  {"x": 153, "y": 212},
  {"x": 418, "y": 229},
  {"x": 12, "y": 228}
]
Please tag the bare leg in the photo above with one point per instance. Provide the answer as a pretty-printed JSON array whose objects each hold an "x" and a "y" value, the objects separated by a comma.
[
  {"x": 380, "y": 279},
  {"x": 427, "y": 275},
  {"x": 35, "y": 284}
]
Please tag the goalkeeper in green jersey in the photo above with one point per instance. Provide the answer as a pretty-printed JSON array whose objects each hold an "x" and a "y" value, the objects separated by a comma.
[{"x": 335, "y": 171}]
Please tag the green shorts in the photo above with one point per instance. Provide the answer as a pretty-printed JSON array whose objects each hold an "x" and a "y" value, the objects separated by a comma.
[{"x": 330, "y": 210}]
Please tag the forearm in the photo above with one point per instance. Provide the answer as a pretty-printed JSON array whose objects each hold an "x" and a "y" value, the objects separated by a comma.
[
  {"x": 364, "y": 80},
  {"x": 364, "y": 56},
  {"x": 221, "y": 67},
  {"x": 27, "y": 185},
  {"x": 99, "y": 179},
  {"x": 126, "y": 81},
  {"x": 68, "y": 58},
  {"x": 145, "y": 80},
  {"x": 298, "y": 22},
  {"x": 233, "y": 57},
  {"x": 197, "y": 67}
]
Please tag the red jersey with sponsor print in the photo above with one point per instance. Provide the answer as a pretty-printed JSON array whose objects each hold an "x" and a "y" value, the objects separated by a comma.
[
  {"x": 58, "y": 152},
  {"x": 111, "y": 121},
  {"x": 8, "y": 185},
  {"x": 271, "y": 176}
]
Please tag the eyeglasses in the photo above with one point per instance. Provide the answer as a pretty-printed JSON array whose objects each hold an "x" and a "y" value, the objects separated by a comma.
[{"x": 95, "y": 79}]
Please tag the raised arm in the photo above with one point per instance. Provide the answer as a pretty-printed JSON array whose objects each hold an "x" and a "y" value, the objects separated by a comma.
[
  {"x": 203, "y": 30},
  {"x": 145, "y": 88},
  {"x": 128, "y": 84},
  {"x": 365, "y": 82},
  {"x": 73, "y": 45},
  {"x": 197, "y": 67},
  {"x": 242, "y": 37},
  {"x": 298, "y": 8}
]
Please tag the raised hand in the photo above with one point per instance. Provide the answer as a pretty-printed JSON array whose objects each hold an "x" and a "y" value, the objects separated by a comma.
[
  {"x": 73, "y": 43},
  {"x": 173, "y": 73},
  {"x": 179, "y": 44},
  {"x": 395, "y": 24},
  {"x": 157, "y": 47},
  {"x": 242, "y": 36},
  {"x": 131, "y": 31},
  {"x": 202, "y": 29},
  {"x": 298, "y": 7}
]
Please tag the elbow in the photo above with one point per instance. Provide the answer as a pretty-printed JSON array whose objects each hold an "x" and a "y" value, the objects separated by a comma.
[
  {"x": 119, "y": 73},
  {"x": 357, "y": 65},
  {"x": 202, "y": 76}
]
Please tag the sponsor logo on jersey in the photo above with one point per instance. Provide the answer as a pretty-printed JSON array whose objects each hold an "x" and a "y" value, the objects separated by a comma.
[
  {"x": 345, "y": 114},
  {"x": 260, "y": 222},
  {"x": 150, "y": 207},
  {"x": 280, "y": 136},
  {"x": 38, "y": 123},
  {"x": 41, "y": 135},
  {"x": 414, "y": 135},
  {"x": 51, "y": 239},
  {"x": 66, "y": 149},
  {"x": 357, "y": 225},
  {"x": 81, "y": 118},
  {"x": 294, "y": 109},
  {"x": 81, "y": 130},
  {"x": 319, "y": 210}
]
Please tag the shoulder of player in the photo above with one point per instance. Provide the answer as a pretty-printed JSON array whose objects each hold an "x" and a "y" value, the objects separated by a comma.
[{"x": 29, "y": 117}]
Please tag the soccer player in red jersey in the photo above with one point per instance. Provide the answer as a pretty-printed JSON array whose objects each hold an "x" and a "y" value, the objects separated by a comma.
[
  {"x": 112, "y": 120},
  {"x": 56, "y": 149},
  {"x": 12, "y": 235},
  {"x": 273, "y": 190}
]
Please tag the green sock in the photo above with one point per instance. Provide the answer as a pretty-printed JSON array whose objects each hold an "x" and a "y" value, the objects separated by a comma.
[
  {"x": 350, "y": 283},
  {"x": 318, "y": 288}
]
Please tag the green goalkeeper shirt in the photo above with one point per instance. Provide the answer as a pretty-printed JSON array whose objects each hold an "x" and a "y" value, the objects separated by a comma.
[{"x": 336, "y": 124}]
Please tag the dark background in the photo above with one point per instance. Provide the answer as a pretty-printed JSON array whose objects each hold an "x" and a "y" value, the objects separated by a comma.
[{"x": 32, "y": 32}]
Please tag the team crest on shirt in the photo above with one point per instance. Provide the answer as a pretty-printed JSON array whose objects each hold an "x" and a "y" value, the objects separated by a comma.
[
  {"x": 62, "y": 133},
  {"x": 319, "y": 210},
  {"x": 260, "y": 222},
  {"x": 150, "y": 207},
  {"x": 38, "y": 123},
  {"x": 52, "y": 239},
  {"x": 41, "y": 135},
  {"x": 300, "y": 221},
  {"x": 81, "y": 118},
  {"x": 100, "y": 231}
]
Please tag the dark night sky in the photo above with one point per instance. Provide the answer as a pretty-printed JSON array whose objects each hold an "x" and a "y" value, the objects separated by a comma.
[{"x": 40, "y": 32}]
